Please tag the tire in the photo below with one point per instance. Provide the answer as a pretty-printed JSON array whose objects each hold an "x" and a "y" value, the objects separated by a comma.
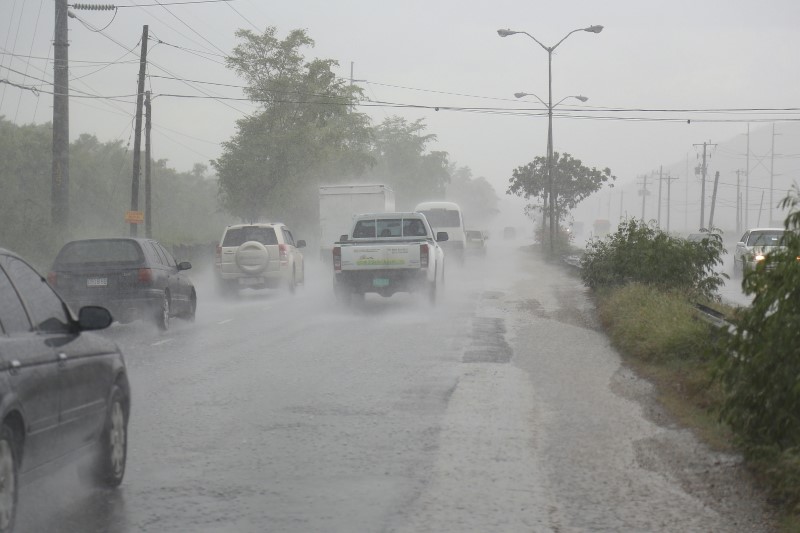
[
  {"x": 192, "y": 311},
  {"x": 163, "y": 313},
  {"x": 112, "y": 453},
  {"x": 9, "y": 480}
]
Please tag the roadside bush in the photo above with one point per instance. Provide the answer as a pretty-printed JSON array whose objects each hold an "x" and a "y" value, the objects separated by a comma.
[
  {"x": 642, "y": 253},
  {"x": 760, "y": 363}
]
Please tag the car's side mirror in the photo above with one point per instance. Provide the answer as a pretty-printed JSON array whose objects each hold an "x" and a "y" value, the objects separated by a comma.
[
  {"x": 343, "y": 237},
  {"x": 301, "y": 243},
  {"x": 94, "y": 317},
  {"x": 442, "y": 236},
  {"x": 184, "y": 265}
]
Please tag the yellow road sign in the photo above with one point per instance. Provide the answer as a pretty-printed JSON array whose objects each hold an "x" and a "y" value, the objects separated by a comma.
[{"x": 134, "y": 217}]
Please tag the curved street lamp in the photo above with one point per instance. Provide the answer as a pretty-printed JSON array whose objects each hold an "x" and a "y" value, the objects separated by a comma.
[{"x": 550, "y": 106}]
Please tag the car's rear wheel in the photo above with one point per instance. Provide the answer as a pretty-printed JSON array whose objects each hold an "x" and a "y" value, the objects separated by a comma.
[
  {"x": 8, "y": 479},
  {"x": 113, "y": 445},
  {"x": 163, "y": 312}
]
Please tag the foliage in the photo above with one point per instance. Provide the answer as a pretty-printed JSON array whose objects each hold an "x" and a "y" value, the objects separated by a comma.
[
  {"x": 306, "y": 132},
  {"x": 475, "y": 196},
  {"x": 403, "y": 162},
  {"x": 643, "y": 253},
  {"x": 184, "y": 204},
  {"x": 759, "y": 364},
  {"x": 572, "y": 182}
]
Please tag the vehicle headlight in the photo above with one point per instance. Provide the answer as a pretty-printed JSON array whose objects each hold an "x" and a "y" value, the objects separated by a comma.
[{"x": 758, "y": 257}]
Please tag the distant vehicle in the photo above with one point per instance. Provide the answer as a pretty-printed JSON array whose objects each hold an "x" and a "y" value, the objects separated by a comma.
[
  {"x": 258, "y": 256},
  {"x": 133, "y": 278},
  {"x": 387, "y": 253},
  {"x": 476, "y": 243},
  {"x": 754, "y": 246},
  {"x": 339, "y": 203},
  {"x": 697, "y": 237},
  {"x": 447, "y": 217},
  {"x": 601, "y": 227},
  {"x": 64, "y": 390},
  {"x": 509, "y": 233}
]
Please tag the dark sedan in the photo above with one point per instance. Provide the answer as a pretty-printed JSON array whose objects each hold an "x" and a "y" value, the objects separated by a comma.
[
  {"x": 132, "y": 278},
  {"x": 63, "y": 391}
]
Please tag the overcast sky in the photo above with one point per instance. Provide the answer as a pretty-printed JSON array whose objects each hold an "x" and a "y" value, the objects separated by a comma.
[{"x": 654, "y": 55}]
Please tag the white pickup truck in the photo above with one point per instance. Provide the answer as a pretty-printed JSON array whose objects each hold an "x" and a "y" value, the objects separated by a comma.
[{"x": 387, "y": 253}]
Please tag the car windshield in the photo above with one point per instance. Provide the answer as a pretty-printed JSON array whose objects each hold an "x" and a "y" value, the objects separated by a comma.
[
  {"x": 100, "y": 251},
  {"x": 765, "y": 238},
  {"x": 239, "y": 236},
  {"x": 442, "y": 218}
]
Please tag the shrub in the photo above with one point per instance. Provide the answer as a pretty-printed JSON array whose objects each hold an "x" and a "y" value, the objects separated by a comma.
[{"x": 643, "y": 253}]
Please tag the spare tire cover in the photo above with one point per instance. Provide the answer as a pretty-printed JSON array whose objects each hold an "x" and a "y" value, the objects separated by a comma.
[{"x": 252, "y": 257}]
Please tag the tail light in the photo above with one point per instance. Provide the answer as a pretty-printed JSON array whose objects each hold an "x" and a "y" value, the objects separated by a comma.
[
  {"x": 283, "y": 251},
  {"x": 145, "y": 276},
  {"x": 423, "y": 255},
  {"x": 52, "y": 278},
  {"x": 337, "y": 259}
]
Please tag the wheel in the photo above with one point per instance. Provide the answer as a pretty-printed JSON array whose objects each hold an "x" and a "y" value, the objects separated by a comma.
[
  {"x": 163, "y": 312},
  {"x": 8, "y": 479},
  {"x": 112, "y": 453},
  {"x": 192, "y": 311}
]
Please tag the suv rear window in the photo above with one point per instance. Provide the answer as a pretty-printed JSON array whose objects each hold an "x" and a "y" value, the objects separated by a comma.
[
  {"x": 765, "y": 238},
  {"x": 239, "y": 236},
  {"x": 100, "y": 251}
]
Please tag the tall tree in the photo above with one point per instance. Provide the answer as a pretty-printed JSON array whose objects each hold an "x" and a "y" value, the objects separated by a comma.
[
  {"x": 476, "y": 196},
  {"x": 403, "y": 162},
  {"x": 573, "y": 182},
  {"x": 305, "y": 133}
]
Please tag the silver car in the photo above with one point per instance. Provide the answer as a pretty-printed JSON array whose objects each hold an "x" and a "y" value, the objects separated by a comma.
[
  {"x": 258, "y": 256},
  {"x": 754, "y": 246}
]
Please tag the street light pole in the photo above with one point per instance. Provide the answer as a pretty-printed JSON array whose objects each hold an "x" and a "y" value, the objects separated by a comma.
[{"x": 550, "y": 179}]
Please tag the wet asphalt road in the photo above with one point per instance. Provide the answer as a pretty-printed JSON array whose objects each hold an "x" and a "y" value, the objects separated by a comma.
[{"x": 501, "y": 409}]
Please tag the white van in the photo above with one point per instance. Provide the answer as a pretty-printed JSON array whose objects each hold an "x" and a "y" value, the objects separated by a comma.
[{"x": 446, "y": 216}]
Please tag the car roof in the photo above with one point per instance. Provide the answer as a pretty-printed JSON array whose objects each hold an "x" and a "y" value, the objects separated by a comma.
[
  {"x": 259, "y": 224},
  {"x": 404, "y": 214},
  {"x": 767, "y": 229},
  {"x": 438, "y": 205}
]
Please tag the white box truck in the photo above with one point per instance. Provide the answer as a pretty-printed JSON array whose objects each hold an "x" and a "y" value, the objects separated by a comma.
[{"x": 338, "y": 204}]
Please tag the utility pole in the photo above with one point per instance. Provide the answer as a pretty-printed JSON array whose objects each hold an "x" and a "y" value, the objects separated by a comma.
[
  {"x": 738, "y": 204},
  {"x": 713, "y": 201},
  {"x": 60, "y": 170},
  {"x": 644, "y": 193},
  {"x": 747, "y": 183},
  {"x": 137, "y": 142},
  {"x": 771, "y": 175},
  {"x": 148, "y": 211},
  {"x": 686, "y": 200},
  {"x": 660, "y": 181},
  {"x": 669, "y": 179},
  {"x": 703, "y": 170}
]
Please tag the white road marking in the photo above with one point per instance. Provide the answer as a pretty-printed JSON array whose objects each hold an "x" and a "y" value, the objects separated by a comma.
[
  {"x": 165, "y": 341},
  {"x": 225, "y": 321}
]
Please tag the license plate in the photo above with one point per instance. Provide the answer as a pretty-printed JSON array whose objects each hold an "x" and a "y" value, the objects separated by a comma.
[
  {"x": 380, "y": 282},
  {"x": 249, "y": 281},
  {"x": 96, "y": 282}
]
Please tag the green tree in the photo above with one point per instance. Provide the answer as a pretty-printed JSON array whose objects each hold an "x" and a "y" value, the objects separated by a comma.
[
  {"x": 572, "y": 183},
  {"x": 305, "y": 133},
  {"x": 403, "y": 162}
]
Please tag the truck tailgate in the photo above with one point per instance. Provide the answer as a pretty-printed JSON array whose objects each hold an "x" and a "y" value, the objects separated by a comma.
[{"x": 380, "y": 257}]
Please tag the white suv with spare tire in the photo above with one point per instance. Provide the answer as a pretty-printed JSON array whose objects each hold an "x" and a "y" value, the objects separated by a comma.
[{"x": 258, "y": 256}]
